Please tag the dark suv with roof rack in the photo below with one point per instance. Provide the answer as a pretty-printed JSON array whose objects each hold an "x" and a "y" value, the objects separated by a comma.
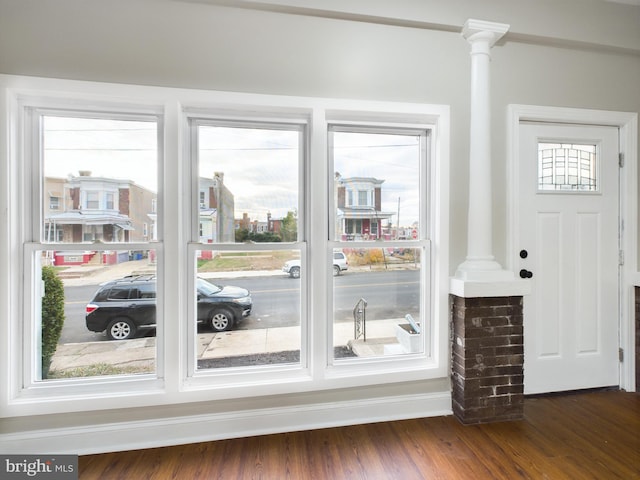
[{"x": 123, "y": 307}]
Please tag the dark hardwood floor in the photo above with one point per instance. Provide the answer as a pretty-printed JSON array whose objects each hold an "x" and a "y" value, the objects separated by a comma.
[{"x": 593, "y": 435}]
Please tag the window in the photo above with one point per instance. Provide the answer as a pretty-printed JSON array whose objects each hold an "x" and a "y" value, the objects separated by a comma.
[
  {"x": 109, "y": 204},
  {"x": 93, "y": 201},
  {"x": 385, "y": 313},
  {"x": 88, "y": 151},
  {"x": 362, "y": 198},
  {"x": 54, "y": 203},
  {"x": 121, "y": 293},
  {"x": 311, "y": 266},
  {"x": 567, "y": 167},
  {"x": 253, "y": 172}
]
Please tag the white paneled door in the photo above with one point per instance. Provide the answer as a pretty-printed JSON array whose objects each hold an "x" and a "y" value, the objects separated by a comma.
[{"x": 568, "y": 244}]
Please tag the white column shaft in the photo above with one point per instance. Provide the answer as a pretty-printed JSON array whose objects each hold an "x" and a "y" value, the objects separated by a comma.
[
  {"x": 479, "y": 242},
  {"x": 480, "y": 264}
]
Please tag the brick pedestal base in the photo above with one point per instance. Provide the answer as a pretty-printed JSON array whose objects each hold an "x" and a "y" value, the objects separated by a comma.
[{"x": 487, "y": 359}]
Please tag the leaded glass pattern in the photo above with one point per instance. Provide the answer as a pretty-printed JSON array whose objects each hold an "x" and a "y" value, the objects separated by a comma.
[{"x": 570, "y": 167}]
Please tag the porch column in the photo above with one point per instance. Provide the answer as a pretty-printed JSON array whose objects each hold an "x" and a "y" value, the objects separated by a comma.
[{"x": 480, "y": 264}]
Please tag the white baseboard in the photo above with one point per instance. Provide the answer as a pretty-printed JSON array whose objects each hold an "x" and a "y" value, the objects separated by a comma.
[{"x": 112, "y": 437}]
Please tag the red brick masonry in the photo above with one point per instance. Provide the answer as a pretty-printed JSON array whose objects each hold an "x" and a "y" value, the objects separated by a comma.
[{"x": 487, "y": 357}]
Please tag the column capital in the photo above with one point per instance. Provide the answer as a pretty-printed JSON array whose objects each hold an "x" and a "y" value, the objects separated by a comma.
[{"x": 490, "y": 32}]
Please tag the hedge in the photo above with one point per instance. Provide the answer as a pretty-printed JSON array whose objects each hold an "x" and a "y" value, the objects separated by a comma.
[{"x": 52, "y": 316}]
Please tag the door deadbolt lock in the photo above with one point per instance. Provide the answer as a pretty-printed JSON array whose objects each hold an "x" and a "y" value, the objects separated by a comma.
[{"x": 524, "y": 254}]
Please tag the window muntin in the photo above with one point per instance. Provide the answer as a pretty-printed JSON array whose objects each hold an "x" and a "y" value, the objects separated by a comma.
[
  {"x": 105, "y": 167},
  {"x": 379, "y": 311},
  {"x": 248, "y": 176}
]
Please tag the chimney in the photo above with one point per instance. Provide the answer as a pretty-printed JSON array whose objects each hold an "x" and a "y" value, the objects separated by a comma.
[{"x": 85, "y": 173}]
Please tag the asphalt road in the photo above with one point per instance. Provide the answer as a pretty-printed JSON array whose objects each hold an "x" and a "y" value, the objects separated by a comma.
[{"x": 276, "y": 300}]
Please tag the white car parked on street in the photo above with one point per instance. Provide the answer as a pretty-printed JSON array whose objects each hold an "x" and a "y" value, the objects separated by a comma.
[{"x": 340, "y": 264}]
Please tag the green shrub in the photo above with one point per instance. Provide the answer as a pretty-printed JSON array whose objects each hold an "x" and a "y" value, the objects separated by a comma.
[{"x": 52, "y": 316}]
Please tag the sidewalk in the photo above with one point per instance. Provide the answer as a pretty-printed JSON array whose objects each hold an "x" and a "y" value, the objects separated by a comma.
[
  {"x": 139, "y": 354},
  {"x": 81, "y": 275},
  {"x": 77, "y": 275}
]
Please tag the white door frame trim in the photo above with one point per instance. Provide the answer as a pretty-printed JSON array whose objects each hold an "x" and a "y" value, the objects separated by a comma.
[{"x": 627, "y": 122}]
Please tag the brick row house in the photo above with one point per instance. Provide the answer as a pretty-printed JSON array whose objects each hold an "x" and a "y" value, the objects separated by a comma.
[
  {"x": 273, "y": 225},
  {"x": 359, "y": 209},
  {"x": 92, "y": 209}
]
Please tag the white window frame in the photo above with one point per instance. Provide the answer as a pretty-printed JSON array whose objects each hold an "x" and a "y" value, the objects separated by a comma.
[
  {"x": 25, "y": 388},
  {"x": 408, "y": 362},
  {"x": 110, "y": 198},
  {"x": 363, "y": 198},
  {"x": 86, "y": 194},
  {"x": 172, "y": 383},
  {"x": 266, "y": 374}
]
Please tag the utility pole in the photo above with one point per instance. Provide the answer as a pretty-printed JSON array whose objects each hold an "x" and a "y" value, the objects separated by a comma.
[{"x": 398, "y": 229}]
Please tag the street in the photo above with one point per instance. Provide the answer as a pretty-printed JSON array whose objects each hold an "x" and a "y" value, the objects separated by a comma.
[{"x": 276, "y": 300}]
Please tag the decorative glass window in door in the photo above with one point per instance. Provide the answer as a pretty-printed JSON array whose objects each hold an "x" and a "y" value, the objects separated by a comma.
[{"x": 567, "y": 167}]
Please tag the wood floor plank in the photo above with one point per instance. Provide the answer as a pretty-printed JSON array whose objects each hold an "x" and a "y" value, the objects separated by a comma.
[
  {"x": 600, "y": 442},
  {"x": 576, "y": 436}
]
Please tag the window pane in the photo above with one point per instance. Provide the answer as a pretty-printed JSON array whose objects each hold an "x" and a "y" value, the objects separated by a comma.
[
  {"x": 108, "y": 302},
  {"x": 248, "y": 185},
  {"x": 376, "y": 185},
  {"x": 567, "y": 167},
  {"x": 249, "y": 309},
  {"x": 377, "y": 302},
  {"x": 103, "y": 173}
]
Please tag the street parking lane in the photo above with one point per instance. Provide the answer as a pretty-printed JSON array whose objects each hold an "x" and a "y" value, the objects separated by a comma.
[{"x": 277, "y": 300}]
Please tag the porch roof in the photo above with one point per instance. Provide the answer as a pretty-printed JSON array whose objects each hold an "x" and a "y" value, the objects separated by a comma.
[
  {"x": 99, "y": 217},
  {"x": 362, "y": 213}
]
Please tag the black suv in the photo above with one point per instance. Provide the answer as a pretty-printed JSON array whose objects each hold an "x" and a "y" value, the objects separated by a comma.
[{"x": 124, "y": 306}]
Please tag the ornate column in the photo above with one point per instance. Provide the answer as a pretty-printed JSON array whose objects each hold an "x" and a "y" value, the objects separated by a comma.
[{"x": 480, "y": 264}]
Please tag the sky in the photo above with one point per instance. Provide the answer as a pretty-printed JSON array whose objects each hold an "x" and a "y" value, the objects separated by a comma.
[
  {"x": 260, "y": 166},
  {"x": 392, "y": 158}
]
